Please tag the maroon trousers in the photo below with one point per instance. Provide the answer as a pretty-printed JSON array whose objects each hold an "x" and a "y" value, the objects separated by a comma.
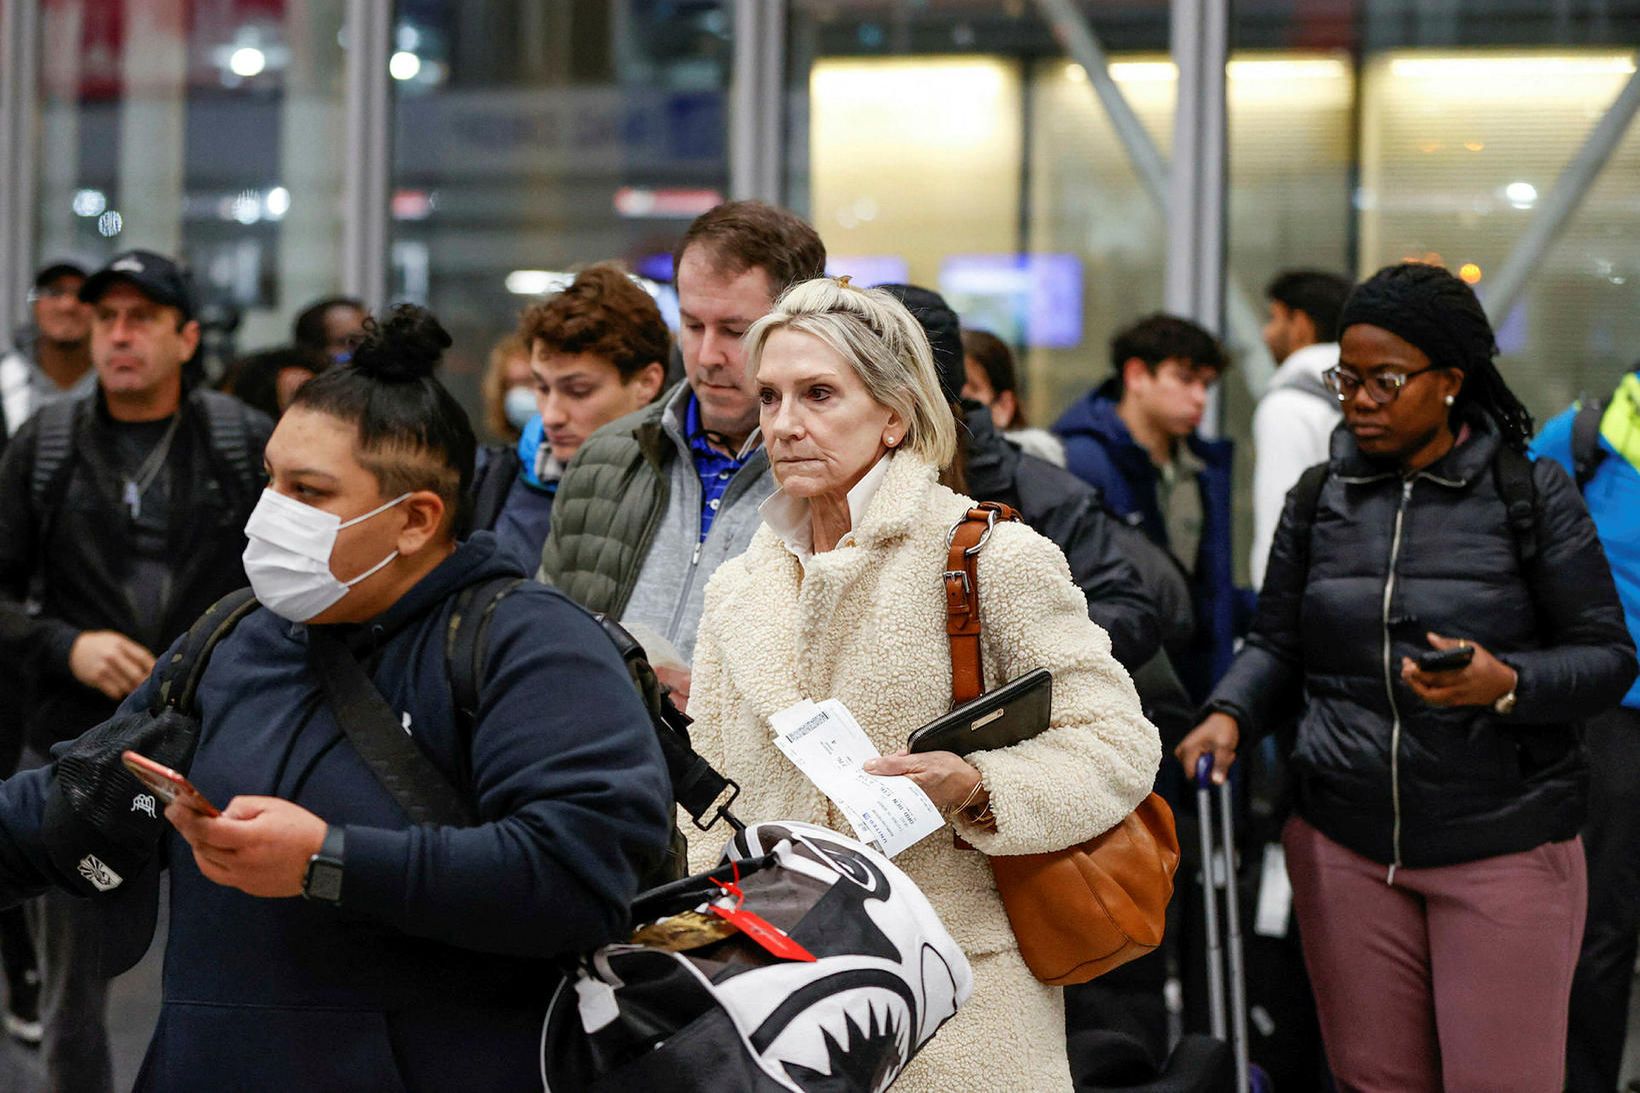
[{"x": 1454, "y": 978}]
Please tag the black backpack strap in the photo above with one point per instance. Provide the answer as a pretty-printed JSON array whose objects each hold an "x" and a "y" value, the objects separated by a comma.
[
  {"x": 179, "y": 679},
  {"x": 55, "y": 425},
  {"x": 494, "y": 483},
  {"x": 1306, "y": 495},
  {"x": 1512, "y": 472},
  {"x": 370, "y": 725},
  {"x": 702, "y": 792},
  {"x": 53, "y": 453},
  {"x": 229, "y": 436},
  {"x": 466, "y": 643},
  {"x": 1586, "y": 450},
  {"x": 696, "y": 786}
]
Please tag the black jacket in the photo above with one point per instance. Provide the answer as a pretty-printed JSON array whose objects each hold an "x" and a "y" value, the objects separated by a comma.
[
  {"x": 1061, "y": 507},
  {"x": 83, "y": 557},
  {"x": 435, "y": 970},
  {"x": 1433, "y": 552}
]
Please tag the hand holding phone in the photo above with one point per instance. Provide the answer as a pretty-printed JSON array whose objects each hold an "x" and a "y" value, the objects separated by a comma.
[
  {"x": 1445, "y": 660},
  {"x": 169, "y": 786}
]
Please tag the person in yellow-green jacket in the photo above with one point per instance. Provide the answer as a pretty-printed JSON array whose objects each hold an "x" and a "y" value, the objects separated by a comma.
[{"x": 1598, "y": 442}]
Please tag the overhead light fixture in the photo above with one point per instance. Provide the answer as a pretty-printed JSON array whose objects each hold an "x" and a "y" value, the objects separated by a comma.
[
  {"x": 404, "y": 65},
  {"x": 1522, "y": 195},
  {"x": 90, "y": 203},
  {"x": 1515, "y": 67},
  {"x": 537, "y": 282},
  {"x": 247, "y": 61}
]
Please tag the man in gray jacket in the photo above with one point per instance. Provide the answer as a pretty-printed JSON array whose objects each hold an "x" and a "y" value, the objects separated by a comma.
[{"x": 654, "y": 502}]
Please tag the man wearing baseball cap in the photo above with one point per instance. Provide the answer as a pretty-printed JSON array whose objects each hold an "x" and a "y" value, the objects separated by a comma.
[
  {"x": 53, "y": 360},
  {"x": 122, "y": 516}
]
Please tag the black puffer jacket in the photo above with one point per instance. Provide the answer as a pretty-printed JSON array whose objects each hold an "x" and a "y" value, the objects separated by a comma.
[
  {"x": 1378, "y": 770},
  {"x": 1060, "y": 506}
]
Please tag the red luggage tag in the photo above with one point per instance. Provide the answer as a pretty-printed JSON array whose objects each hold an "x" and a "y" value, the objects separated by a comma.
[{"x": 772, "y": 938}]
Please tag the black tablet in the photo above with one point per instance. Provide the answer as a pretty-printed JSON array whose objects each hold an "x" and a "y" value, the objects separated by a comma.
[{"x": 1013, "y": 712}]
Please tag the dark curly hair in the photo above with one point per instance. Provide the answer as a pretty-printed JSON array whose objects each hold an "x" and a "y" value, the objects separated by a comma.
[
  {"x": 413, "y": 434},
  {"x": 1434, "y": 310},
  {"x": 602, "y": 312}
]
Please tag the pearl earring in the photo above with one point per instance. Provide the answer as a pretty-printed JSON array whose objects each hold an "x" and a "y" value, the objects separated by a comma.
[{"x": 1450, "y": 399}]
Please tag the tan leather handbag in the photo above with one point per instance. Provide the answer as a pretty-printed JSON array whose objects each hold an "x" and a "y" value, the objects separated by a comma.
[{"x": 1078, "y": 912}]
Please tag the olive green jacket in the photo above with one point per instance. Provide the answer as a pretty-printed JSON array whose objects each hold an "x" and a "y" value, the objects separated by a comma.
[{"x": 632, "y": 491}]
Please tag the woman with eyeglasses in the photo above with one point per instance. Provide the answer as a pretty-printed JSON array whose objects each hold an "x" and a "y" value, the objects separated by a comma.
[{"x": 1436, "y": 619}]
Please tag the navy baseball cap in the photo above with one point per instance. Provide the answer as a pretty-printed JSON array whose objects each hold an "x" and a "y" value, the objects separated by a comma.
[
  {"x": 157, "y": 277},
  {"x": 55, "y": 270}
]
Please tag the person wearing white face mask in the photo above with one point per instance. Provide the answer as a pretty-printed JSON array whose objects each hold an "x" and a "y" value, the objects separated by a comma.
[
  {"x": 422, "y": 954},
  {"x": 288, "y": 557},
  {"x": 508, "y": 389}
]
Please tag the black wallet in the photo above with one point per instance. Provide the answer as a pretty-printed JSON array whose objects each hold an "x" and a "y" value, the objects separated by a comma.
[{"x": 1013, "y": 712}]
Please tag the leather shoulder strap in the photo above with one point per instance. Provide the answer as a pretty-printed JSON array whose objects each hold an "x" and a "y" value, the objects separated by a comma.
[{"x": 967, "y": 538}]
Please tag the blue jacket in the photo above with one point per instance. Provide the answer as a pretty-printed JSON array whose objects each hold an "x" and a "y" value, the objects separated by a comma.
[
  {"x": 1613, "y": 494},
  {"x": 1101, "y": 451},
  {"x": 435, "y": 970},
  {"x": 526, "y": 516}
]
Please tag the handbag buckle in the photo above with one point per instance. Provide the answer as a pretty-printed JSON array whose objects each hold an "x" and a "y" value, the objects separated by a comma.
[{"x": 984, "y": 536}]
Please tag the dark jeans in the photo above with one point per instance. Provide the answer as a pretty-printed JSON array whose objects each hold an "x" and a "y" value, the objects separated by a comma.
[{"x": 1605, "y": 967}]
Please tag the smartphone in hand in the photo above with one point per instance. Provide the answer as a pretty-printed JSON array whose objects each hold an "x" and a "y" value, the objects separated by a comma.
[
  {"x": 167, "y": 784},
  {"x": 1445, "y": 660}
]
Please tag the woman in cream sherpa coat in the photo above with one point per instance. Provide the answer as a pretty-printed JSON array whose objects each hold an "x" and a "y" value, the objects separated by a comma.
[{"x": 856, "y": 428}]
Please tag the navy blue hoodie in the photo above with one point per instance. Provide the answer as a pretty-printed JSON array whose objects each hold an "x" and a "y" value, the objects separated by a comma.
[
  {"x": 435, "y": 970},
  {"x": 1101, "y": 451}
]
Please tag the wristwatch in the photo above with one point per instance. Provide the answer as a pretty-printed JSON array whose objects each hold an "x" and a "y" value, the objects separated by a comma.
[
  {"x": 324, "y": 872},
  {"x": 1505, "y": 706}
]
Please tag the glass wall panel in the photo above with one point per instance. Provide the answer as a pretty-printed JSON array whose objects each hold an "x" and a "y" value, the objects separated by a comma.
[
  {"x": 957, "y": 146},
  {"x": 1459, "y": 150},
  {"x": 533, "y": 136},
  {"x": 207, "y": 130}
]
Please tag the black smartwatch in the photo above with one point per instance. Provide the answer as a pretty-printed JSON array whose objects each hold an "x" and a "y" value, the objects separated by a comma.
[{"x": 324, "y": 872}]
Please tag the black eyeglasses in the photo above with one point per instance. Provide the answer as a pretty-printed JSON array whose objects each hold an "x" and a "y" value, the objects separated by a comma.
[
  {"x": 51, "y": 292},
  {"x": 1383, "y": 388}
]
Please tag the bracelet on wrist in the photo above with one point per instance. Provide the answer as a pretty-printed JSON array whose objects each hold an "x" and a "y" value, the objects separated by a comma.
[{"x": 979, "y": 784}]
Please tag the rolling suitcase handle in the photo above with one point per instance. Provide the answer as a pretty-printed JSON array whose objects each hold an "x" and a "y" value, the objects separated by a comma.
[{"x": 1231, "y": 940}]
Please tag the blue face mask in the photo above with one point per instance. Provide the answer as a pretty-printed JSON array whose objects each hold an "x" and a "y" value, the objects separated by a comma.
[{"x": 519, "y": 406}]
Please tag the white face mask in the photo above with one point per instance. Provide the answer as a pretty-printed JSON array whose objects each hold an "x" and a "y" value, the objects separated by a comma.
[
  {"x": 519, "y": 406},
  {"x": 288, "y": 556}
]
